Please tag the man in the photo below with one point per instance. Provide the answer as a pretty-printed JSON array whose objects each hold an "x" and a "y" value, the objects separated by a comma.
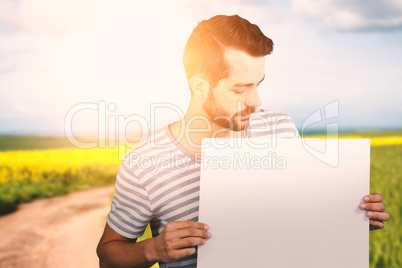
[{"x": 224, "y": 62}]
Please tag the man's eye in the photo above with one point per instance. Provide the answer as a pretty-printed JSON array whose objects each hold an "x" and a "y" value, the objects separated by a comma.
[{"x": 239, "y": 90}]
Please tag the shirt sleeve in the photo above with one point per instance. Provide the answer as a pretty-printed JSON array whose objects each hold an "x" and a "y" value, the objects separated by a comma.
[
  {"x": 273, "y": 124},
  {"x": 294, "y": 133},
  {"x": 130, "y": 212}
]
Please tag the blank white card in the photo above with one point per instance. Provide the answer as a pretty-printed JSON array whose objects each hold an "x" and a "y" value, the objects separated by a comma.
[{"x": 284, "y": 205}]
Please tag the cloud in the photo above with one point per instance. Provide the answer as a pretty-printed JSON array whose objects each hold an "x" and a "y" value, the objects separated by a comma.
[
  {"x": 126, "y": 52},
  {"x": 7, "y": 70},
  {"x": 49, "y": 16},
  {"x": 352, "y": 15},
  {"x": 83, "y": 16}
]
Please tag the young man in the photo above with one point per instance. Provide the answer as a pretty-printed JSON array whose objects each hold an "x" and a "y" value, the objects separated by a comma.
[{"x": 224, "y": 62}]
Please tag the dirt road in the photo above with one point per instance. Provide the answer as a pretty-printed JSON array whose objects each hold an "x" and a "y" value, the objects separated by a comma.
[{"x": 56, "y": 232}]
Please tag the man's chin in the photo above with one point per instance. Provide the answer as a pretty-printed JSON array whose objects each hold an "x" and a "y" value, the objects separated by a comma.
[{"x": 242, "y": 125}]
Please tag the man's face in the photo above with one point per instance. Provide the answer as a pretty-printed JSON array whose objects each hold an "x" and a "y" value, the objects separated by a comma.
[{"x": 234, "y": 98}]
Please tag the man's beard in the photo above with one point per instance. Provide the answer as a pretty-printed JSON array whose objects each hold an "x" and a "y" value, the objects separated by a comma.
[{"x": 219, "y": 115}]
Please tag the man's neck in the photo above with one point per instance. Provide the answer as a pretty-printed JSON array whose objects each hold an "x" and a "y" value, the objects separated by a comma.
[{"x": 189, "y": 133}]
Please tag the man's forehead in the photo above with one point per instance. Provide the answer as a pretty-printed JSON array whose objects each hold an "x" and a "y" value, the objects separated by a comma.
[{"x": 242, "y": 65}]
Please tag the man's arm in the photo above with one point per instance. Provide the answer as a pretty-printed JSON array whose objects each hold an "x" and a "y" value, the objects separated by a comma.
[
  {"x": 177, "y": 240},
  {"x": 373, "y": 203}
]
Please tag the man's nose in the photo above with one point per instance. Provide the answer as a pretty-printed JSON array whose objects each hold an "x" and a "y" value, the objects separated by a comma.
[{"x": 253, "y": 98}]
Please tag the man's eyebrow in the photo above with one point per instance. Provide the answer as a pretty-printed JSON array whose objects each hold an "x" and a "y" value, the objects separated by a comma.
[{"x": 248, "y": 84}]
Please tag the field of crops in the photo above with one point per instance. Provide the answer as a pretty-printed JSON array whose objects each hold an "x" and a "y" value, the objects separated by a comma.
[
  {"x": 29, "y": 174},
  {"x": 386, "y": 178}
]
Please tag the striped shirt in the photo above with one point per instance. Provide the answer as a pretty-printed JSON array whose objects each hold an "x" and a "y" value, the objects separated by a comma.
[{"x": 159, "y": 182}]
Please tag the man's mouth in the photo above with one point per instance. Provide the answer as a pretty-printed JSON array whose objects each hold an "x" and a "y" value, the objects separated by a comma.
[{"x": 245, "y": 116}]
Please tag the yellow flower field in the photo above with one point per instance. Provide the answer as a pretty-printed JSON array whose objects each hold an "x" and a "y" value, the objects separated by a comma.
[
  {"x": 16, "y": 165},
  {"x": 377, "y": 141},
  {"x": 29, "y": 174},
  {"x": 26, "y": 175}
]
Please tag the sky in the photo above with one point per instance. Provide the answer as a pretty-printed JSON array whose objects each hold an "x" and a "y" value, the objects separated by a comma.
[{"x": 86, "y": 67}]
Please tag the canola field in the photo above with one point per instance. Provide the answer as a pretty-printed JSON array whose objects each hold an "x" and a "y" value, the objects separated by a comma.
[
  {"x": 39, "y": 172},
  {"x": 31, "y": 174}
]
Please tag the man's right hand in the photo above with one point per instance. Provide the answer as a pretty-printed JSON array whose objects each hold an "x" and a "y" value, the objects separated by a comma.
[{"x": 177, "y": 240}]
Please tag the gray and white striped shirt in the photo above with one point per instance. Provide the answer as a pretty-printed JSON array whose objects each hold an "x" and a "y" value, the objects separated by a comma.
[{"x": 159, "y": 182}]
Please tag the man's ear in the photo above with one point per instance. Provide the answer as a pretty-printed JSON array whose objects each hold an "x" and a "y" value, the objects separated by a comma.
[{"x": 199, "y": 86}]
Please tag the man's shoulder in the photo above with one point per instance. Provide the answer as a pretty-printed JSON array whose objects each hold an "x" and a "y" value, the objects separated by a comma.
[
  {"x": 261, "y": 114},
  {"x": 264, "y": 118},
  {"x": 266, "y": 122},
  {"x": 154, "y": 140},
  {"x": 156, "y": 152}
]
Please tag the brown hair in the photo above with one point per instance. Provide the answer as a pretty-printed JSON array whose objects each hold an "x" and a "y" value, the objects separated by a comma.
[{"x": 204, "y": 53}]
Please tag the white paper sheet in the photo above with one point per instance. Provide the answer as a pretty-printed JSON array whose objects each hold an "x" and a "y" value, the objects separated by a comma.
[{"x": 265, "y": 214}]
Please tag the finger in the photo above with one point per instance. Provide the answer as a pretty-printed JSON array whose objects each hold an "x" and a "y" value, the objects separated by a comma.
[
  {"x": 379, "y": 216},
  {"x": 374, "y": 225},
  {"x": 175, "y": 225},
  {"x": 188, "y": 242},
  {"x": 193, "y": 232},
  {"x": 376, "y": 197},
  {"x": 181, "y": 253},
  {"x": 373, "y": 206}
]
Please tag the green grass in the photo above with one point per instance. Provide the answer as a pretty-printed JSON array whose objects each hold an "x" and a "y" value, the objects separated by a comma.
[
  {"x": 54, "y": 183},
  {"x": 373, "y": 134},
  {"x": 364, "y": 134},
  {"x": 386, "y": 178}
]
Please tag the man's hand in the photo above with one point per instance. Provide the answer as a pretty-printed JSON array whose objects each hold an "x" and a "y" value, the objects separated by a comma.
[
  {"x": 177, "y": 240},
  {"x": 375, "y": 210}
]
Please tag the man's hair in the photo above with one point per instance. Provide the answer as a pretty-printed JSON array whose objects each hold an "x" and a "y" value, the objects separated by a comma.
[{"x": 204, "y": 53}]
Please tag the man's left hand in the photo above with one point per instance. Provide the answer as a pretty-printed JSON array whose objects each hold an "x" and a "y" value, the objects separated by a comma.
[{"x": 375, "y": 210}]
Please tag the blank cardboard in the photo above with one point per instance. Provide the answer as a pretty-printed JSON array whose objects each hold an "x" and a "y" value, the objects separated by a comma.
[{"x": 280, "y": 206}]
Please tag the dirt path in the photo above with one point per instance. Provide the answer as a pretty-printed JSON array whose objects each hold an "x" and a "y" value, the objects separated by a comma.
[{"x": 56, "y": 232}]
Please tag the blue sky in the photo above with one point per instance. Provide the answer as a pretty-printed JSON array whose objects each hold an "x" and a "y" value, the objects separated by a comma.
[{"x": 57, "y": 57}]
